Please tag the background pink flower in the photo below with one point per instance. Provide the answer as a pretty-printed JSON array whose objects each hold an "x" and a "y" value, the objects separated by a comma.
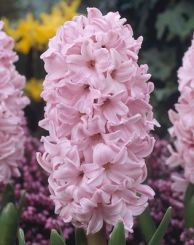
[
  {"x": 12, "y": 103},
  {"x": 183, "y": 125},
  {"x": 185, "y": 72},
  {"x": 99, "y": 118}
]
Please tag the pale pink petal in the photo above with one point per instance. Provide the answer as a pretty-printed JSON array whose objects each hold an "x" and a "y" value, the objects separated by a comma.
[{"x": 102, "y": 154}]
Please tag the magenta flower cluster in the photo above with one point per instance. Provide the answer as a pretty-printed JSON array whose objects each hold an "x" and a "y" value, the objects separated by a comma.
[
  {"x": 99, "y": 118},
  {"x": 183, "y": 123},
  {"x": 12, "y": 103},
  {"x": 160, "y": 180}
]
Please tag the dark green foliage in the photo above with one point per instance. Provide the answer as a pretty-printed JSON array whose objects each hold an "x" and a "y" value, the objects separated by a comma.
[
  {"x": 9, "y": 8},
  {"x": 176, "y": 21}
]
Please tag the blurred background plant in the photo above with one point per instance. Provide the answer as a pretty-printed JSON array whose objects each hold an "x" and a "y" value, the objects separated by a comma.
[
  {"x": 31, "y": 33},
  {"x": 167, "y": 28}
]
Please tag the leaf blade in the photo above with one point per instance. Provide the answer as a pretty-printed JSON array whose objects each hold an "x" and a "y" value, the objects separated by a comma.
[
  {"x": 161, "y": 230},
  {"x": 8, "y": 224},
  {"x": 21, "y": 237},
  {"x": 56, "y": 239},
  {"x": 118, "y": 235},
  {"x": 147, "y": 225}
]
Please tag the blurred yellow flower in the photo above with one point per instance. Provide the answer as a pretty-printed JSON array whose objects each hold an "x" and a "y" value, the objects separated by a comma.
[
  {"x": 25, "y": 33},
  {"x": 31, "y": 33},
  {"x": 33, "y": 89}
]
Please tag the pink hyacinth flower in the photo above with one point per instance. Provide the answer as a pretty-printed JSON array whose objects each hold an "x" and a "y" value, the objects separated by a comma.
[
  {"x": 12, "y": 103},
  {"x": 183, "y": 124},
  {"x": 99, "y": 119}
]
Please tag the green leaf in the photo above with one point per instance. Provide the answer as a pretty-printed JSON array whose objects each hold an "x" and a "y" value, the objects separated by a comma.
[
  {"x": 164, "y": 93},
  {"x": 189, "y": 193},
  {"x": 21, "y": 237},
  {"x": 161, "y": 62},
  {"x": 189, "y": 213},
  {"x": 56, "y": 239},
  {"x": 147, "y": 225},
  {"x": 8, "y": 196},
  {"x": 8, "y": 224},
  {"x": 80, "y": 237},
  {"x": 118, "y": 235},
  {"x": 162, "y": 228},
  {"x": 167, "y": 21},
  {"x": 189, "y": 206}
]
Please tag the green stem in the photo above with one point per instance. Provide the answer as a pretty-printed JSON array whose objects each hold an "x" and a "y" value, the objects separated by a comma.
[{"x": 98, "y": 238}]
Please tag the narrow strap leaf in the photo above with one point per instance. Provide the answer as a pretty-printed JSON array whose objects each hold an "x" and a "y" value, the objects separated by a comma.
[
  {"x": 56, "y": 239},
  {"x": 8, "y": 224},
  {"x": 21, "y": 237},
  {"x": 147, "y": 225},
  {"x": 80, "y": 237},
  {"x": 189, "y": 192},
  {"x": 189, "y": 206},
  {"x": 162, "y": 228},
  {"x": 118, "y": 235},
  {"x": 8, "y": 196}
]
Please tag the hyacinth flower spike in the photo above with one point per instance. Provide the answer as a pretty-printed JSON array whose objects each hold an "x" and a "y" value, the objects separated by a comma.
[
  {"x": 12, "y": 103},
  {"x": 98, "y": 119}
]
